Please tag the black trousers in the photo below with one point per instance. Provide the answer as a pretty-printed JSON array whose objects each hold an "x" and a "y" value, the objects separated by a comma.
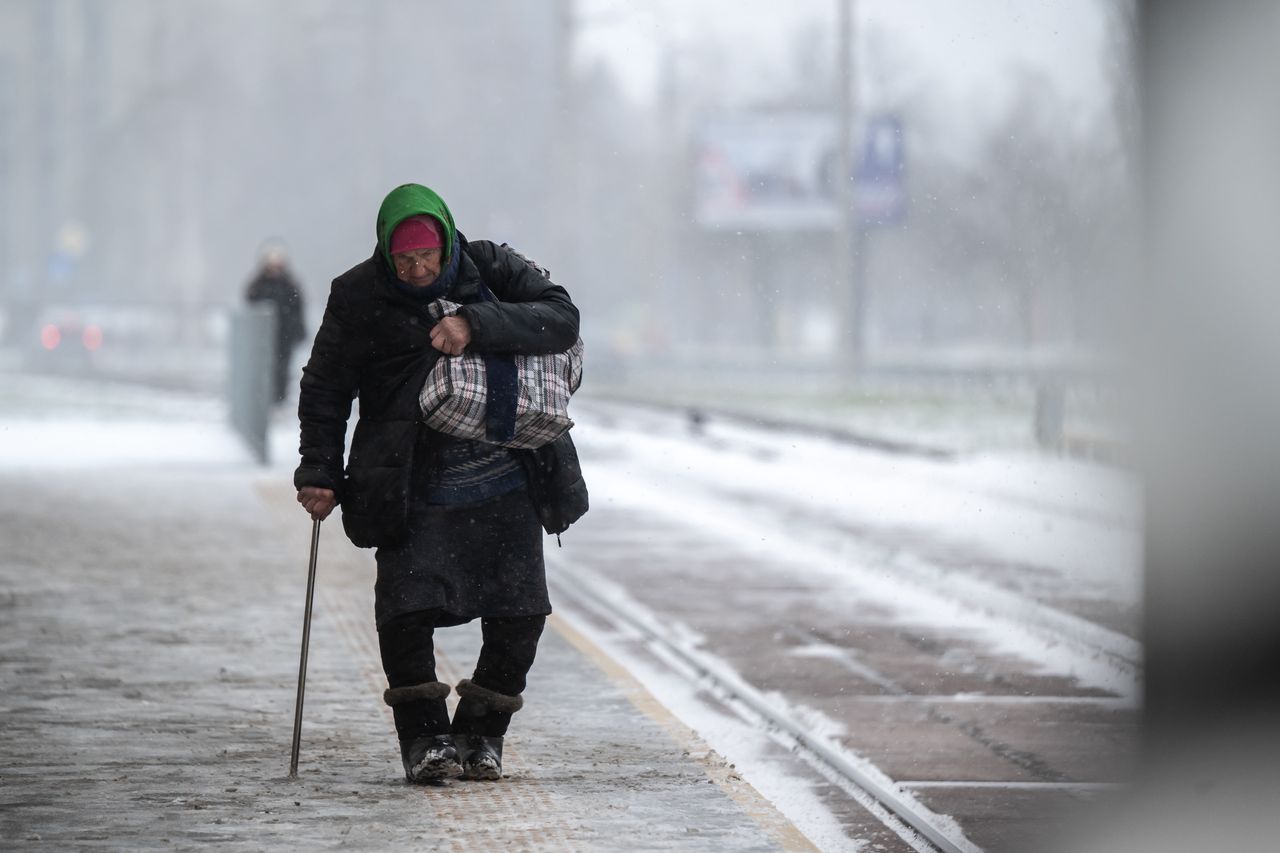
[{"x": 408, "y": 659}]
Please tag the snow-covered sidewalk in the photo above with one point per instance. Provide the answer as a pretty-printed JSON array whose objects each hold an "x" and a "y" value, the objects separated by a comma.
[{"x": 148, "y": 656}]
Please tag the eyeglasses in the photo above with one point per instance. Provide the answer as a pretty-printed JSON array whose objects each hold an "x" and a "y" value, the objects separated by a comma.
[{"x": 405, "y": 261}]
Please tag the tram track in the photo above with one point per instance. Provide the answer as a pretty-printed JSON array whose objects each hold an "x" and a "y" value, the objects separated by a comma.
[
  {"x": 861, "y": 627},
  {"x": 588, "y": 591}
]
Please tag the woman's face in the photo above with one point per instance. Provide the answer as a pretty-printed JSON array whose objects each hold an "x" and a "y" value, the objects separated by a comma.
[{"x": 419, "y": 267}]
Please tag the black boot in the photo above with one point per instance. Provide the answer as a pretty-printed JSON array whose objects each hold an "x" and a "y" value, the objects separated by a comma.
[
  {"x": 479, "y": 722},
  {"x": 427, "y": 749},
  {"x": 481, "y": 756},
  {"x": 429, "y": 759}
]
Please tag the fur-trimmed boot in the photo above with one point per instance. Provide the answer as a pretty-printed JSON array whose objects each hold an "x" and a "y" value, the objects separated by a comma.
[
  {"x": 481, "y": 756},
  {"x": 482, "y": 710},
  {"x": 426, "y": 757}
]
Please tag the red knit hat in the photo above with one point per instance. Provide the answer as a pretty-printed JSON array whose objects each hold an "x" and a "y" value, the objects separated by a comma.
[{"x": 416, "y": 232}]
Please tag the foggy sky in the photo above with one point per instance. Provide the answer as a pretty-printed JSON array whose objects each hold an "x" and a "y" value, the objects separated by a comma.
[{"x": 968, "y": 50}]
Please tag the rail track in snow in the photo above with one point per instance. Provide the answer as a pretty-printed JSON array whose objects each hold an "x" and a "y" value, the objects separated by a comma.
[{"x": 996, "y": 732}]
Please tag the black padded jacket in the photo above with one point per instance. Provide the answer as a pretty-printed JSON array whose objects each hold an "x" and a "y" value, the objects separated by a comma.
[{"x": 374, "y": 344}]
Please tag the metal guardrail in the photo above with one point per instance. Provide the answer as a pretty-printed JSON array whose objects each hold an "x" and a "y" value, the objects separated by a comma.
[
  {"x": 252, "y": 352},
  {"x": 1054, "y": 387}
]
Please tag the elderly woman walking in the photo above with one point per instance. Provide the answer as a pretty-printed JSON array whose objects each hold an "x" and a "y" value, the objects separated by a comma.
[{"x": 458, "y": 524}]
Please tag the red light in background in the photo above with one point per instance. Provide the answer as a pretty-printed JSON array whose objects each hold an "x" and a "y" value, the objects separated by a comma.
[
  {"x": 92, "y": 338},
  {"x": 50, "y": 337}
]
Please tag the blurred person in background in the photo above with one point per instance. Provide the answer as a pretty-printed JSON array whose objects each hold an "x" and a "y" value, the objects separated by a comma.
[
  {"x": 275, "y": 285},
  {"x": 457, "y": 523}
]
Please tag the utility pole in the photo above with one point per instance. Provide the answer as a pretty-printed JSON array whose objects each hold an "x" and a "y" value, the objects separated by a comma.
[
  {"x": 848, "y": 280},
  {"x": 563, "y": 196}
]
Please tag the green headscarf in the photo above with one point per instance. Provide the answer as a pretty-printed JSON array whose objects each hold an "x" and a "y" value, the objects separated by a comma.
[{"x": 413, "y": 200}]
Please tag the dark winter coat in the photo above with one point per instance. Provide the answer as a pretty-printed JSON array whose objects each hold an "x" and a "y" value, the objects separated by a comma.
[
  {"x": 283, "y": 292},
  {"x": 374, "y": 342}
]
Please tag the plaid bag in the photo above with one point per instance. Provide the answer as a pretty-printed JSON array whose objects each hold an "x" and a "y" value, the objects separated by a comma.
[{"x": 454, "y": 398}]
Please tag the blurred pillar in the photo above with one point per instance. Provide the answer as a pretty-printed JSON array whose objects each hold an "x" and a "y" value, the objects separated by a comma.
[
  {"x": 8, "y": 261},
  {"x": 1210, "y": 426},
  {"x": 847, "y": 285},
  {"x": 251, "y": 358},
  {"x": 563, "y": 196}
]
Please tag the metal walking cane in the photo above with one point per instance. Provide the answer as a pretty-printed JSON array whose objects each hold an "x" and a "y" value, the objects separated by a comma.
[{"x": 306, "y": 639}]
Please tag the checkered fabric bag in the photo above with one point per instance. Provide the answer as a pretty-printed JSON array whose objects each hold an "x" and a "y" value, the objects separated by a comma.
[{"x": 454, "y": 397}]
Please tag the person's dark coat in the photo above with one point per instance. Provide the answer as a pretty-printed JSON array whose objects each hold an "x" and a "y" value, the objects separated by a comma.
[
  {"x": 374, "y": 342},
  {"x": 280, "y": 289},
  {"x": 277, "y": 287}
]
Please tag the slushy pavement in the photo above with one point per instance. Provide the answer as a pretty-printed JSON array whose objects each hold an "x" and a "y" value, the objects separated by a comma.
[{"x": 149, "y": 639}]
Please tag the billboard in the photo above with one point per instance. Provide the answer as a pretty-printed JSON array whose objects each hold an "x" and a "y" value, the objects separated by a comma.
[{"x": 777, "y": 172}]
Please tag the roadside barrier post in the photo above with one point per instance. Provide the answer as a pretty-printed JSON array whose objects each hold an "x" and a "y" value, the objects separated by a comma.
[{"x": 252, "y": 354}]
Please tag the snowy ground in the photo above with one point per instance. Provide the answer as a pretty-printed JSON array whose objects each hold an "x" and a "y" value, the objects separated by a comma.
[
  {"x": 1057, "y": 531},
  {"x": 801, "y": 564},
  {"x": 151, "y": 582},
  {"x": 966, "y": 625}
]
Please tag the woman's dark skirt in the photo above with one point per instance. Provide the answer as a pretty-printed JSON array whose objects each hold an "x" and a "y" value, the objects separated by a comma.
[{"x": 466, "y": 560}]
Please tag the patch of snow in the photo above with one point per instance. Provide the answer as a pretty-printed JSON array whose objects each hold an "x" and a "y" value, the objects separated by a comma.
[
  {"x": 1076, "y": 520},
  {"x": 855, "y": 573},
  {"x": 87, "y": 443}
]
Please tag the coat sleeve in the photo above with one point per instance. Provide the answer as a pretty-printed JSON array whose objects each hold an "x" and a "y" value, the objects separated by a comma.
[
  {"x": 330, "y": 380},
  {"x": 534, "y": 316}
]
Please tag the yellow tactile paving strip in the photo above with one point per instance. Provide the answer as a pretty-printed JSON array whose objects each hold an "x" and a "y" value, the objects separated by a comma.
[
  {"x": 781, "y": 830},
  {"x": 517, "y": 811}
]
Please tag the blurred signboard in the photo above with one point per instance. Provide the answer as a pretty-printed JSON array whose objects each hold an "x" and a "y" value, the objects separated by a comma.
[
  {"x": 880, "y": 196},
  {"x": 72, "y": 243},
  {"x": 777, "y": 172}
]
